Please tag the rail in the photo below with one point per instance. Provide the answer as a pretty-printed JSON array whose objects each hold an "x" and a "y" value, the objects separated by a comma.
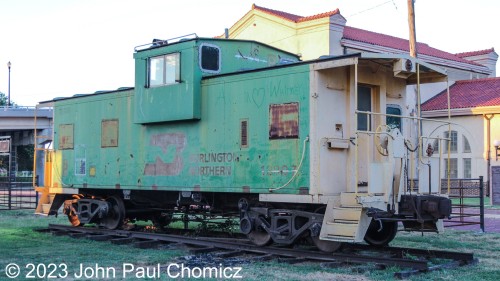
[
  {"x": 416, "y": 260},
  {"x": 160, "y": 42}
]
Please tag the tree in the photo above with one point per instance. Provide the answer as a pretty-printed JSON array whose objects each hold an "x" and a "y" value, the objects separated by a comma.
[{"x": 4, "y": 99}]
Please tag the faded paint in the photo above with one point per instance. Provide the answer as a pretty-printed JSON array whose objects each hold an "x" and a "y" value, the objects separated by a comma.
[
  {"x": 161, "y": 167},
  {"x": 65, "y": 136},
  {"x": 109, "y": 133}
]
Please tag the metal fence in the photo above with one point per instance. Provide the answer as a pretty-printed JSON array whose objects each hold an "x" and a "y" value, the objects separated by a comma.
[
  {"x": 18, "y": 193},
  {"x": 468, "y": 201}
]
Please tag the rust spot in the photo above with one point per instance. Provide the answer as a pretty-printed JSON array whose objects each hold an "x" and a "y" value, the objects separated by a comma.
[
  {"x": 117, "y": 186},
  {"x": 197, "y": 188},
  {"x": 154, "y": 187},
  {"x": 304, "y": 190},
  {"x": 109, "y": 133},
  {"x": 246, "y": 189},
  {"x": 284, "y": 120},
  {"x": 66, "y": 136}
]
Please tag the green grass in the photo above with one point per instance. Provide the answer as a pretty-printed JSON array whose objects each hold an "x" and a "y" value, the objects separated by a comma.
[
  {"x": 475, "y": 202},
  {"x": 20, "y": 244}
]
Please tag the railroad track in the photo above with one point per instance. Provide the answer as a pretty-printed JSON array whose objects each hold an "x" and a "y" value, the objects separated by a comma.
[{"x": 413, "y": 261}]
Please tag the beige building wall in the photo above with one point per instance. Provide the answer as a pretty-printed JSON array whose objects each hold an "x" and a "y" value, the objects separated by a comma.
[
  {"x": 475, "y": 129},
  {"x": 311, "y": 39}
]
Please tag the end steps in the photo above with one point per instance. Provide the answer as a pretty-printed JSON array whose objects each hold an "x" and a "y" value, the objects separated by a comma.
[{"x": 342, "y": 223}]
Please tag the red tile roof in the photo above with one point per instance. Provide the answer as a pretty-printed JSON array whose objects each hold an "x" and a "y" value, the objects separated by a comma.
[
  {"x": 292, "y": 17},
  {"x": 475, "y": 53},
  {"x": 467, "y": 94},
  {"x": 384, "y": 40},
  {"x": 369, "y": 37}
]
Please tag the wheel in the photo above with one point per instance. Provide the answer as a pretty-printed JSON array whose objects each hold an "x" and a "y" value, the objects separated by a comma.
[
  {"x": 381, "y": 237},
  {"x": 326, "y": 246},
  {"x": 116, "y": 214},
  {"x": 381, "y": 139},
  {"x": 260, "y": 237},
  {"x": 162, "y": 220}
]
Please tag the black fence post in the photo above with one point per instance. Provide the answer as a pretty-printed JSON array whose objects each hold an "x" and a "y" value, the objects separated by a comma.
[
  {"x": 481, "y": 202},
  {"x": 9, "y": 187}
]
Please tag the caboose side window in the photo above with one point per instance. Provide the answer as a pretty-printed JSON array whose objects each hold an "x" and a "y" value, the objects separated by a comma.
[
  {"x": 210, "y": 59},
  {"x": 164, "y": 70}
]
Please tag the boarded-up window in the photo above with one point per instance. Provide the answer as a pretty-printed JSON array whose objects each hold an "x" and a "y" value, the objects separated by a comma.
[
  {"x": 109, "y": 133},
  {"x": 66, "y": 136},
  {"x": 284, "y": 121}
]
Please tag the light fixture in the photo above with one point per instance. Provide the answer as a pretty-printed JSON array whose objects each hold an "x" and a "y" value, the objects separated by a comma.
[
  {"x": 496, "y": 143},
  {"x": 9, "y": 64}
]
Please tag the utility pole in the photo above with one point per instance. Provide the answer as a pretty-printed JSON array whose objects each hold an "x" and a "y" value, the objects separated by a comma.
[
  {"x": 411, "y": 25},
  {"x": 8, "y": 101}
]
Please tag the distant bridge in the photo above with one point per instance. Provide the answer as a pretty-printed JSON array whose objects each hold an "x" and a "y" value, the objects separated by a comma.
[{"x": 18, "y": 122}]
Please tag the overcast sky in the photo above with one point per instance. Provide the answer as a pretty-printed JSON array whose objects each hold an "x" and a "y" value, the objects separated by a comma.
[{"x": 59, "y": 48}]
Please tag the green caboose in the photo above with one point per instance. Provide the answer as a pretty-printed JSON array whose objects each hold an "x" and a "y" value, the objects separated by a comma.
[{"x": 239, "y": 127}]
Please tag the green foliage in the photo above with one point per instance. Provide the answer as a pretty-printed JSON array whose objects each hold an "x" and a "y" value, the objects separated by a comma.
[
  {"x": 25, "y": 157},
  {"x": 3, "y": 99}
]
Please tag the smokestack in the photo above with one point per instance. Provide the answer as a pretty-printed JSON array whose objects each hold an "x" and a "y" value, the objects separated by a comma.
[{"x": 226, "y": 33}]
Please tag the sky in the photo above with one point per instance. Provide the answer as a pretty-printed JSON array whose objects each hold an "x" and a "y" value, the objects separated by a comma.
[{"x": 59, "y": 48}]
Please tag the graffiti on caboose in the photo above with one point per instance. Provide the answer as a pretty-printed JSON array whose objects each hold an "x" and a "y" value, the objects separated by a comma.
[{"x": 258, "y": 95}]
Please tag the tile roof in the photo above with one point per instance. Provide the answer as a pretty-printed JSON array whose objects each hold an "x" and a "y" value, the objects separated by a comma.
[
  {"x": 475, "y": 53},
  {"x": 384, "y": 40},
  {"x": 365, "y": 36},
  {"x": 292, "y": 17},
  {"x": 467, "y": 94}
]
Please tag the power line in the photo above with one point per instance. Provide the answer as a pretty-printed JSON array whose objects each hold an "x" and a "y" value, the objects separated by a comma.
[{"x": 374, "y": 7}]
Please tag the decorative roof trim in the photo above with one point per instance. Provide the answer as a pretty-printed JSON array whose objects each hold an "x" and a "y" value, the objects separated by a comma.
[
  {"x": 292, "y": 17},
  {"x": 475, "y": 53}
]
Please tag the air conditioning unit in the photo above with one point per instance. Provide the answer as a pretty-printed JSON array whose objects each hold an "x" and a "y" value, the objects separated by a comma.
[{"x": 404, "y": 68}]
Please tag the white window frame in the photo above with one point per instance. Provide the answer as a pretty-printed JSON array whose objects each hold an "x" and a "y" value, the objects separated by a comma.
[{"x": 164, "y": 82}]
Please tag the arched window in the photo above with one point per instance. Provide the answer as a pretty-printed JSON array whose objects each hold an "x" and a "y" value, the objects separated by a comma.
[
  {"x": 466, "y": 145},
  {"x": 435, "y": 146},
  {"x": 453, "y": 136}
]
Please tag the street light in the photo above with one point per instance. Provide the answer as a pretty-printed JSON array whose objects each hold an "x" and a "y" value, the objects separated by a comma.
[{"x": 8, "y": 92}]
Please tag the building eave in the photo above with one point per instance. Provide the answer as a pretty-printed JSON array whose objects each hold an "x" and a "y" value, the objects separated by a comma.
[
  {"x": 430, "y": 59},
  {"x": 483, "y": 110}
]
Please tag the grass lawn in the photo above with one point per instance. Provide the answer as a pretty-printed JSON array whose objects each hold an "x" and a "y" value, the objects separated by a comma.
[{"x": 21, "y": 245}]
